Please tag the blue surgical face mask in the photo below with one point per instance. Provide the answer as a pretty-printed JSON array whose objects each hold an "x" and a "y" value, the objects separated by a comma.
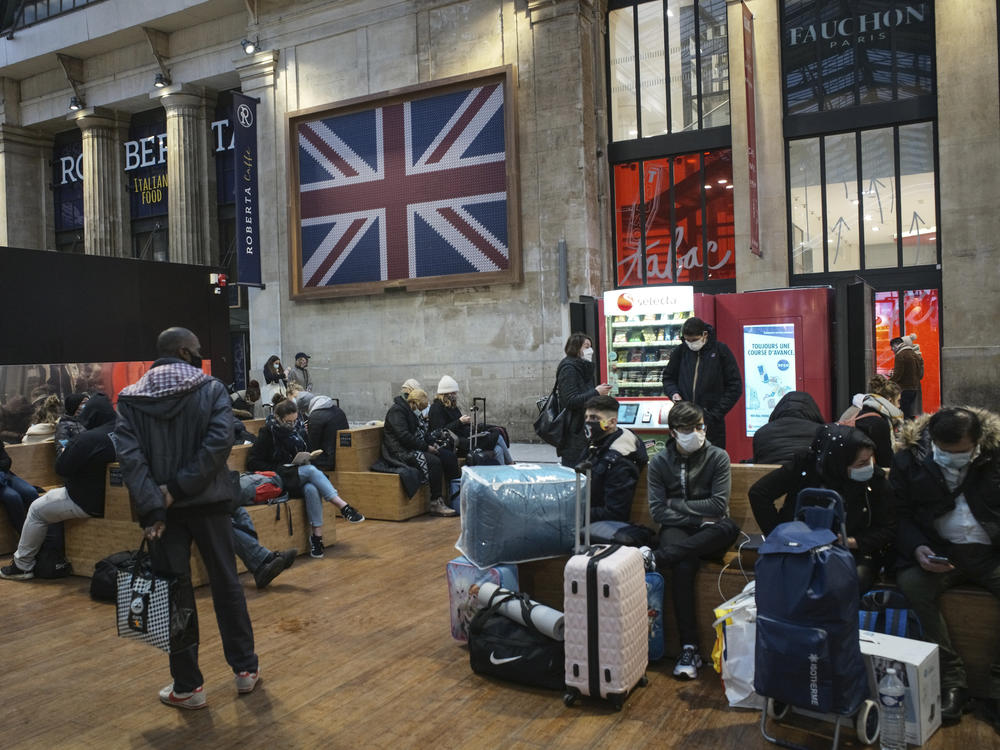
[
  {"x": 862, "y": 474},
  {"x": 947, "y": 460}
]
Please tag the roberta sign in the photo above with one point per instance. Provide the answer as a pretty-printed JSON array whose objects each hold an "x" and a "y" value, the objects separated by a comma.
[{"x": 860, "y": 28}]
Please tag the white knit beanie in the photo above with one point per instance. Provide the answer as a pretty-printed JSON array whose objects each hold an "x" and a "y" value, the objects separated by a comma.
[{"x": 447, "y": 384}]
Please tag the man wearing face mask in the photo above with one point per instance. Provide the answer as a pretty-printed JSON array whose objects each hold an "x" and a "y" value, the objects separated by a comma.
[
  {"x": 703, "y": 370},
  {"x": 946, "y": 486},
  {"x": 689, "y": 485},
  {"x": 616, "y": 457}
]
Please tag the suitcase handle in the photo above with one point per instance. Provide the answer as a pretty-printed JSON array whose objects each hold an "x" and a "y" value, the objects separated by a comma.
[{"x": 582, "y": 468}]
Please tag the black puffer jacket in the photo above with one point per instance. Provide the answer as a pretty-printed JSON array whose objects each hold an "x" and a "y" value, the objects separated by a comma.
[
  {"x": 718, "y": 385},
  {"x": 326, "y": 419},
  {"x": 921, "y": 496},
  {"x": 401, "y": 434},
  {"x": 790, "y": 430},
  {"x": 83, "y": 462},
  {"x": 866, "y": 504},
  {"x": 616, "y": 461},
  {"x": 575, "y": 386},
  {"x": 274, "y": 450},
  {"x": 176, "y": 431}
]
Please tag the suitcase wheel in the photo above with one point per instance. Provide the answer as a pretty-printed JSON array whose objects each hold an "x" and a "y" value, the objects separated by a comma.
[
  {"x": 617, "y": 701},
  {"x": 776, "y": 709},
  {"x": 867, "y": 723},
  {"x": 643, "y": 681},
  {"x": 570, "y": 696}
]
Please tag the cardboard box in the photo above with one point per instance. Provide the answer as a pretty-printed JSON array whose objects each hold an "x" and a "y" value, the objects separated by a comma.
[{"x": 916, "y": 663}]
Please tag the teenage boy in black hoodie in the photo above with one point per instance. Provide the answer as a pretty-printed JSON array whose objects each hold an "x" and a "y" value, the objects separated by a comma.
[{"x": 82, "y": 465}]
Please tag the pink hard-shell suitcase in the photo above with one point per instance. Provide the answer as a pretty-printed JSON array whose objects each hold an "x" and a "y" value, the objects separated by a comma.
[{"x": 606, "y": 619}]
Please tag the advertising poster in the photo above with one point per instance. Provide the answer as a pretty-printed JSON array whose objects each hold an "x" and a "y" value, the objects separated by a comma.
[{"x": 769, "y": 364}]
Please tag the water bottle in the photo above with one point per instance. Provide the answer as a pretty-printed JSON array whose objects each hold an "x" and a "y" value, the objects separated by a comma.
[{"x": 892, "y": 700}]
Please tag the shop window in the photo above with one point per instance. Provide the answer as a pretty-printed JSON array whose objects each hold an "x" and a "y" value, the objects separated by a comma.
[
  {"x": 674, "y": 219},
  {"x": 863, "y": 200},
  {"x": 678, "y": 53},
  {"x": 913, "y": 312}
]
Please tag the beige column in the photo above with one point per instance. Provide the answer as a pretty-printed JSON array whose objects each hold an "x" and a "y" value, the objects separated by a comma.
[
  {"x": 106, "y": 214},
  {"x": 191, "y": 199},
  {"x": 26, "y": 207},
  {"x": 969, "y": 157},
  {"x": 257, "y": 76}
]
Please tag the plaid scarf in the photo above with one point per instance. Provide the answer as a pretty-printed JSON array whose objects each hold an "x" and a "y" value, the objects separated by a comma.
[{"x": 166, "y": 380}]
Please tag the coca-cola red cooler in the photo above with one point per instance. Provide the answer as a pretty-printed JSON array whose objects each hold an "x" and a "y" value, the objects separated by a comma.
[{"x": 782, "y": 342}]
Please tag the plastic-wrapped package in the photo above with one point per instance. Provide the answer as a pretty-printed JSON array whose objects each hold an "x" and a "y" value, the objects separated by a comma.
[{"x": 517, "y": 513}]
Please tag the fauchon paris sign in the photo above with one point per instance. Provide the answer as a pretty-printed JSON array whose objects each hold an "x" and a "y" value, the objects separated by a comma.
[{"x": 846, "y": 30}]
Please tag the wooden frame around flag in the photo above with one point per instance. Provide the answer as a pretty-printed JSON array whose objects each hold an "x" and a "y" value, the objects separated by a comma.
[{"x": 415, "y": 188}]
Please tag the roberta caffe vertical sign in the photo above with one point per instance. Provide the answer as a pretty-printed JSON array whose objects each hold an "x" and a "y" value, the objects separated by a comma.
[{"x": 247, "y": 203}]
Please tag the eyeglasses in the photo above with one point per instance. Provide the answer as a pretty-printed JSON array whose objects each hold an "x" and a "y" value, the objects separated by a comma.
[
  {"x": 291, "y": 421},
  {"x": 689, "y": 429}
]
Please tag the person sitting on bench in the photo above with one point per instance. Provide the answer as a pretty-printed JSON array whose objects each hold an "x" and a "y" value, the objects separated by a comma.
[
  {"x": 689, "y": 484},
  {"x": 83, "y": 465}
]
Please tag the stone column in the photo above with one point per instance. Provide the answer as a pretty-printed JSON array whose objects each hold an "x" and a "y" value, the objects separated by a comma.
[
  {"x": 106, "y": 214},
  {"x": 191, "y": 199},
  {"x": 26, "y": 212},
  {"x": 969, "y": 158},
  {"x": 257, "y": 75}
]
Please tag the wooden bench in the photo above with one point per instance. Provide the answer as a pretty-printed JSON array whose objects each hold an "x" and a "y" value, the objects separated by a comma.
[
  {"x": 35, "y": 463},
  {"x": 253, "y": 425},
  {"x": 377, "y": 495},
  {"x": 90, "y": 540}
]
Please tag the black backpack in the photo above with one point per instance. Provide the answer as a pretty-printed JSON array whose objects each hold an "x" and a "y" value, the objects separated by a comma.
[
  {"x": 51, "y": 563},
  {"x": 887, "y": 611},
  {"x": 104, "y": 582}
]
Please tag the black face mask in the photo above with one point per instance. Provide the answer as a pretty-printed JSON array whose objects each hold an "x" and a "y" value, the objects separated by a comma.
[
  {"x": 592, "y": 429},
  {"x": 285, "y": 427},
  {"x": 195, "y": 360}
]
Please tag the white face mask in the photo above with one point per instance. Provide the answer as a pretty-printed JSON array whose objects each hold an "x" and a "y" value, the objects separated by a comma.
[
  {"x": 947, "y": 460},
  {"x": 690, "y": 442},
  {"x": 695, "y": 345},
  {"x": 862, "y": 474},
  {"x": 587, "y": 354}
]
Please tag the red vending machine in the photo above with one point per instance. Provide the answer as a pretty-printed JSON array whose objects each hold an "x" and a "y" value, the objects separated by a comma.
[
  {"x": 640, "y": 328},
  {"x": 782, "y": 341}
]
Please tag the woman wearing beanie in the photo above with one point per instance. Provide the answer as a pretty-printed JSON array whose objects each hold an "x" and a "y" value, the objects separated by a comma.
[{"x": 445, "y": 414}]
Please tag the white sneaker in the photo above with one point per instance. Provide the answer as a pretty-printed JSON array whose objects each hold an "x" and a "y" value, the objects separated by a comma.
[
  {"x": 648, "y": 558},
  {"x": 438, "y": 508},
  {"x": 195, "y": 699},
  {"x": 688, "y": 663},
  {"x": 247, "y": 681}
]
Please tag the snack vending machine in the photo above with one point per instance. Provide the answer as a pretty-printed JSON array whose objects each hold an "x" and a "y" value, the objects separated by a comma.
[{"x": 641, "y": 327}]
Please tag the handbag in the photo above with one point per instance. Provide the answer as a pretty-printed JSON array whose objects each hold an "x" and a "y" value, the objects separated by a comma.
[
  {"x": 154, "y": 608},
  {"x": 552, "y": 421},
  {"x": 500, "y": 647},
  {"x": 733, "y": 655}
]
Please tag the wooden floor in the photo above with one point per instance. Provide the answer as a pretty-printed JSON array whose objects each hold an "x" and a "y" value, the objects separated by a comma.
[{"x": 355, "y": 653}]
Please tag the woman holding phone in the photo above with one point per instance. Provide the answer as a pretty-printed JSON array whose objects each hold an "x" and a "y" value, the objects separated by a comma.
[{"x": 281, "y": 447}]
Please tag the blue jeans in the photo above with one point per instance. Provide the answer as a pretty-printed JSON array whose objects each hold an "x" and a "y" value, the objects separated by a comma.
[
  {"x": 16, "y": 495},
  {"x": 501, "y": 452},
  {"x": 316, "y": 488},
  {"x": 248, "y": 549}
]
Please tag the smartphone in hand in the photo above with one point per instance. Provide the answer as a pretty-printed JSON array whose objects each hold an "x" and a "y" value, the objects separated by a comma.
[{"x": 939, "y": 559}]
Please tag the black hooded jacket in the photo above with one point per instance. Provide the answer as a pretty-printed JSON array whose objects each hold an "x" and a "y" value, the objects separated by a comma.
[
  {"x": 616, "y": 461},
  {"x": 401, "y": 434},
  {"x": 326, "y": 419},
  {"x": 274, "y": 450},
  {"x": 709, "y": 377},
  {"x": 83, "y": 462},
  {"x": 867, "y": 504},
  {"x": 790, "y": 430},
  {"x": 575, "y": 387}
]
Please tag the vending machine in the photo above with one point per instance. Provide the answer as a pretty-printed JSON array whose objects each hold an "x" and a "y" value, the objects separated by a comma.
[
  {"x": 782, "y": 341},
  {"x": 640, "y": 329}
]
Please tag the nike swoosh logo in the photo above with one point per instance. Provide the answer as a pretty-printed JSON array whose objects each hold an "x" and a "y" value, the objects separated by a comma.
[{"x": 495, "y": 660}]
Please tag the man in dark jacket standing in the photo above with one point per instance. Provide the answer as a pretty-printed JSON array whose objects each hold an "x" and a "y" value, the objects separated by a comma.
[
  {"x": 82, "y": 465},
  {"x": 907, "y": 371},
  {"x": 174, "y": 434},
  {"x": 300, "y": 373},
  {"x": 704, "y": 371},
  {"x": 616, "y": 458},
  {"x": 946, "y": 486}
]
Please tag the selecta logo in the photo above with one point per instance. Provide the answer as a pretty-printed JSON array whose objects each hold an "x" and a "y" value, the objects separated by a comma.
[{"x": 624, "y": 302}]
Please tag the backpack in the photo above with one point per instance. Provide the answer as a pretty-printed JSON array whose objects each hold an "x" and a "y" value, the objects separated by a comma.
[
  {"x": 51, "y": 563},
  {"x": 850, "y": 417},
  {"x": 807, "y": 651},
  {"x": 887, "y": 611},
  {"x": 104, "y": 582},
  {"x": 258, "y": 488}
]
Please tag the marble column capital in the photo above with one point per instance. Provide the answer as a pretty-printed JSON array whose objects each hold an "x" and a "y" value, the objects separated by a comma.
[
  {"x": 180, "y": 96},
  {"x": 257, "y": 70},
  {"x": 98, "y": 117}
]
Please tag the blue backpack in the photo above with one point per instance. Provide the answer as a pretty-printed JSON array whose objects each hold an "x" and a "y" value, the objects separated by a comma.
[
  {"x": 807, "y": 651},
  {"x": 887, "y": 611}
]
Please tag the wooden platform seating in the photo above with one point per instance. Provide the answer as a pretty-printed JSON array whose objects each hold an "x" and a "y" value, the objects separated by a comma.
[{"x": 377, "y": 495}]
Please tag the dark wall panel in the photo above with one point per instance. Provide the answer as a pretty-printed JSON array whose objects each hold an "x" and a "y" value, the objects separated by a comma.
[{"x": 57, "y": 307}]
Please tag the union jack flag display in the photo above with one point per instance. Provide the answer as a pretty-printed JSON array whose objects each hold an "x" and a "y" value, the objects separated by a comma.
[{"x": 408, "y": 190}]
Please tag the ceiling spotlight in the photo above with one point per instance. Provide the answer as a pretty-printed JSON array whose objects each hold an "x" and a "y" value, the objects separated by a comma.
[
  {"x": 250, "y": 45},
  {"x": 75, "y": 104},
  {"x": 161, "y": 81}
]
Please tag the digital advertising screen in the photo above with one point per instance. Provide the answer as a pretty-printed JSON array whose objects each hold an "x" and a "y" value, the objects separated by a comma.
[{"x": 769, "y": 367}]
